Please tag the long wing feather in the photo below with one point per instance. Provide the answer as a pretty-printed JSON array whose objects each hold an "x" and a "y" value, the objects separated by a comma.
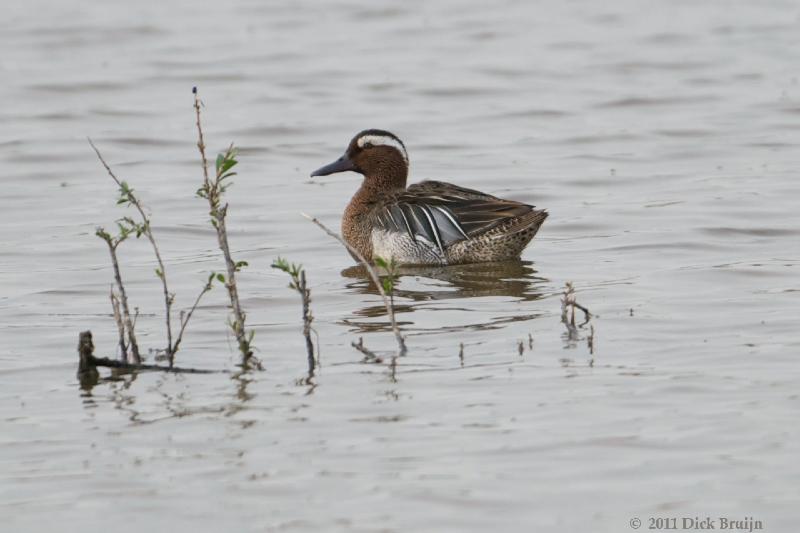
[{"x": 442, "y": 213}]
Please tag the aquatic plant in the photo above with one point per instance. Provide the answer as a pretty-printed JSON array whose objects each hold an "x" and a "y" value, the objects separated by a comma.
[
  {"x": 298, "y": 283},
  {"x": 128, "y": 226},
  {"x": 389, "y": 280},
  {"x": 125, "y": 325},
  {"x": 213, "y": 190}
]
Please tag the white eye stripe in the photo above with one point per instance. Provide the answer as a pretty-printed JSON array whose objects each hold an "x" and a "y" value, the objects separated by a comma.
[{"x": 383, "y": 140}]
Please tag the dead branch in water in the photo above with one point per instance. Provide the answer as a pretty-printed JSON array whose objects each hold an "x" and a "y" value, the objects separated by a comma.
[
  {"x": 88, "y": 363},
  {"x": 568, "y": 306},
  {"x": 373, "y": 274},
  {"x": 298, "y": 283},
  {"x": 113, "y": 243},
  {"x": 369, "y": 355},
  {"x": 569, "y": 303},
  {"x": 213, "y": 190}
]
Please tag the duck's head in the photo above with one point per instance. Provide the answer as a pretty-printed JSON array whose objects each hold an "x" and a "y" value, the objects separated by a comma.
[{"x": 377, "y": 154}]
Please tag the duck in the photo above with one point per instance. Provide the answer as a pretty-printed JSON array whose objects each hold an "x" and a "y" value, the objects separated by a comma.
[{"x": 426, "y": 223}]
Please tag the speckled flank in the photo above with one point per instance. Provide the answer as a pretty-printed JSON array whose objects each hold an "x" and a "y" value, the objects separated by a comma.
[
  {"x": 403, "y": 250},
  {"x": 498, "y": 244}
]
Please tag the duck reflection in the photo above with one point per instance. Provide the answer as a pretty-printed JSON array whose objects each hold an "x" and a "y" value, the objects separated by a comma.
[{"x": 417, "y": 285}]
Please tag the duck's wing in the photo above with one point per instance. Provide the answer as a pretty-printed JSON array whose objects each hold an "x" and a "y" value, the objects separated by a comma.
[{"x": 443, "y": 213}]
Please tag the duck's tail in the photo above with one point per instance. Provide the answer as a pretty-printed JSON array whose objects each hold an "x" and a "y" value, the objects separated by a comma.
[{"x": 501, "y": 243}]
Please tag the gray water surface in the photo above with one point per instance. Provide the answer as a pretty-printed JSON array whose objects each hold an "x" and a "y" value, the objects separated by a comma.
[{"x": 662, "y": 137}]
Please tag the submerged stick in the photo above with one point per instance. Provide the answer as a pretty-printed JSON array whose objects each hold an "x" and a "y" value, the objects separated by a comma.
[
  {"x": 569, "y": 303},
  {"x": 88, "y": 363},
  {"x": 369, "y": 355},
  {"x": 401, "y": 343}
]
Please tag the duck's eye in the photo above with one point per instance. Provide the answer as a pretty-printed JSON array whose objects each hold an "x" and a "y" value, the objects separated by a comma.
[{"x": 367, "y": 145}]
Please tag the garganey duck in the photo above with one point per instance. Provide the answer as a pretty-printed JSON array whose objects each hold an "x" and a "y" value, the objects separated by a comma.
[{"x": 427, "y": 223}]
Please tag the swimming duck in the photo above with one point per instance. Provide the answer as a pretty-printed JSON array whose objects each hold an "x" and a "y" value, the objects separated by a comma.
[{"x": 427, "y": 223}]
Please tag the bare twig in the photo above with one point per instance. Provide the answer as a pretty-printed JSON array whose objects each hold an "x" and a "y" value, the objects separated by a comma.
[
  {"x": 461, "y": 353},
  {"x": 212, "y": 190},
  {"x": 127, "y": 196},
  {"x": 568, "y": 306},
  {"x": 401, "y": 343},
  {"x": 369, "y": 355},
  {"x": 184, "y": 318},
  {"x": 112, "y": 250},
  {"x": 569, "y": 303},
  {"x": 123, "y": 348}
]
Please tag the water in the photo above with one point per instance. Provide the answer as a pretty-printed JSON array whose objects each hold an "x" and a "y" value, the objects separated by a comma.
[{"x": 662, "y": 138}]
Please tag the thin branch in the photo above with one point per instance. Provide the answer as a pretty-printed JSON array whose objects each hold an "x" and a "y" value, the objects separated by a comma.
[
  {"x": 298, "y": 283},
  {"x": 305, "y": 294},
  {"x": 148, "y": 232},
  {"x": 113, "y": 363},
  {"x": 123, "y": 348},
  {"x": 369, "y": 355},
  {"x": 112, "y": 250},
  {"x": 569, "y": 303},
  {"x": 201, "y": 143},
  {"x": 185, "y": 319},
  {"x": 401, "y": 343},
  {"x": 212, "y": 191}
]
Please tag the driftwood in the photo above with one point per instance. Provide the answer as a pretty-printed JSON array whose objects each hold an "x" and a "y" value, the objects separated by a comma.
[{"x": 88, "y": 363}]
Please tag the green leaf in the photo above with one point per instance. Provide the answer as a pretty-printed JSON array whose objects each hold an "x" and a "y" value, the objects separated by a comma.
[
  {"x": 241, "y": 264},
  {"x": 220, "y": 160},
  {"x": 281, "y": 264},
  {"x": 227, "y": 165},
  {"x": 221, "y": 278},
  {"x": 388, "y": 285},
  {"x": 381, "y": 262}
]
